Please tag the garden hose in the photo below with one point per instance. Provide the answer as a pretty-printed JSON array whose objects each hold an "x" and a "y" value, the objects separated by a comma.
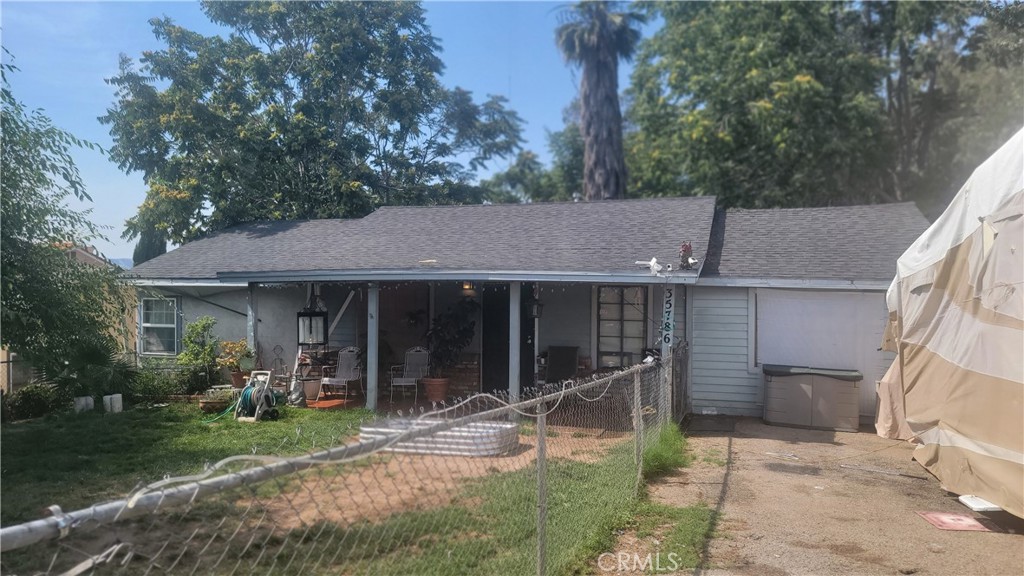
[{"x": 226, "y": 411}]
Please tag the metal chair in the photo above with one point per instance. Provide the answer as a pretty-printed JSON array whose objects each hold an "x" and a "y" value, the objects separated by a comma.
[
  {"x": 417, "y": 363},
  {"x": 336, "y": 379}
]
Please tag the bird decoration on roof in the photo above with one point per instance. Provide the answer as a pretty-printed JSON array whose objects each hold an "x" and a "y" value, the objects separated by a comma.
[
  {"x": 686, "y": 259},
  {"x": 653, "y": 265}
]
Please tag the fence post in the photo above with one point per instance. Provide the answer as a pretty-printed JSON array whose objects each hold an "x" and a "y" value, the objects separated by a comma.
[
  {"x": 542, "y": 487},
  {"x": 638, "y": 431}
]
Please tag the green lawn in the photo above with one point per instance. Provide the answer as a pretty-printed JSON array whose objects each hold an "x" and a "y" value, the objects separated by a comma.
[{"x": 76, "y": 460}]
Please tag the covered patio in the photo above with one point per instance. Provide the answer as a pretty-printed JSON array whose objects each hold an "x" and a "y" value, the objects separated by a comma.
[{"x": 524, "y": 333}]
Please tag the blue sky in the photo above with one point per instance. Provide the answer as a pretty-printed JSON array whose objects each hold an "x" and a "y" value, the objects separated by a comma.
[{"x": 65, "y": 50}]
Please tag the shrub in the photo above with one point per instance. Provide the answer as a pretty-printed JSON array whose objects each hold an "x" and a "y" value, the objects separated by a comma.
[
  {"x": 666, "y": 452},
  {"x": 35, "y": 400},
  {"x": 95, "y": 367},
  {"x": 198, "y": 357},
  {"x": 155, "y": 384}
]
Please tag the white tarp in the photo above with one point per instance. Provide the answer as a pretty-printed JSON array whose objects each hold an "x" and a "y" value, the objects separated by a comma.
[{"x": 956, "y": 320}]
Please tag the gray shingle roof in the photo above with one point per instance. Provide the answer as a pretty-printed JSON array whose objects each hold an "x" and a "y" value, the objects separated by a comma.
[
  {"x": 601, "y": 237},
  {"x": 835, "y": 243}
]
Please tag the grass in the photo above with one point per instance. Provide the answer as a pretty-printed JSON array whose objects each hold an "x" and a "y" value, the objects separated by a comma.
[
  {"x": 490, "y": 529},
  {"x": 666, "y": 452},
  {"x": 714, "y": 456},
  {"x": 78, "y": 459},
  {"x": 678, "y": 531}
]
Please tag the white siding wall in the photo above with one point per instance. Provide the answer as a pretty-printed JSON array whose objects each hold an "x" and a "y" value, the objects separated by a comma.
[{"x": 720, "y": 375}]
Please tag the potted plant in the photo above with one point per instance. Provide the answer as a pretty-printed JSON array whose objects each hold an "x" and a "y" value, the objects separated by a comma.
[
  {"x": 450, "y": 332},
  {"x": 216, "y": 402},
  {"x": 237, "y": 357}
]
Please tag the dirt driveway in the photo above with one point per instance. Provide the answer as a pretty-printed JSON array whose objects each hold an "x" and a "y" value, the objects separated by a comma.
[{"x": 795, "y": 501}]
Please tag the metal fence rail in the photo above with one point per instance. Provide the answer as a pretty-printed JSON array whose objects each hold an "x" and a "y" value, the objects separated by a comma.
[{"x": 427, "y": 493}]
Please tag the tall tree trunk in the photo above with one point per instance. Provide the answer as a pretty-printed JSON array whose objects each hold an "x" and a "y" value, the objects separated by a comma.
[{"x": 604, "y": 166}]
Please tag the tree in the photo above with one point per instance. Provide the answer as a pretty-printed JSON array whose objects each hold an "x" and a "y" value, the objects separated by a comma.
[
  {"x": 305, "y": 110},
  {"x": 803, "y": 104},
  {"x": 759, "y": 104},
  {"x": 595, "y": 37},
  {"x": 52, "y": 305},
  {"x": 953, "y": 90},
  {"x": 528, "y": 180}
]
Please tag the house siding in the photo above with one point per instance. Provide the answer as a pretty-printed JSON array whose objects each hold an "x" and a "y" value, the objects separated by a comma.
[{"x": 721, "y": 380}]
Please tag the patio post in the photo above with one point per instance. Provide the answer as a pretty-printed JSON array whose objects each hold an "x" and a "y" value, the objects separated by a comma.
[
  {"x": 372, "y": 304},
  {"x": 252, "y": 318},
  {"x": 514, "y": 326},
  {"x": 668, "y": 324}
]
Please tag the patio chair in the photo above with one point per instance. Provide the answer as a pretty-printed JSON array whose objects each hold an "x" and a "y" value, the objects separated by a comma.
[
  {"x": 404, "y": 376},
  {"x": 336, "y": 379}
]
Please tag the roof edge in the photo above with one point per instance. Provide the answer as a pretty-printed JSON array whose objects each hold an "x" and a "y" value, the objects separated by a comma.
[
  {"x": 808, "y": 283},
  {"x": 446, "y": 274}
]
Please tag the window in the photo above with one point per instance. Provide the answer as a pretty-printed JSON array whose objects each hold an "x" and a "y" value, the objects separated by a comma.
[
  {"x": 621, "y": 325},
  {"x": 159, "y": 326}
]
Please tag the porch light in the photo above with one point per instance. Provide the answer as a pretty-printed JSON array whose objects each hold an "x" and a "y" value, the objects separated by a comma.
[{"x": 468, "y": 286}]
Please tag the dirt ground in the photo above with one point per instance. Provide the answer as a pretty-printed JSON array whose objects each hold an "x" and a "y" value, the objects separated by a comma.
[
  {"x": 397, "y": 483},
  {"x": 795, "y": 501}
]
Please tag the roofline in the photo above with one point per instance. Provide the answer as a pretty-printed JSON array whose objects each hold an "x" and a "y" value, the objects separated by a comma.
[
  {"x": 203, "y": 283},
  {"x": 446, "y": 274},
  {"x": 815, "y": 283}
]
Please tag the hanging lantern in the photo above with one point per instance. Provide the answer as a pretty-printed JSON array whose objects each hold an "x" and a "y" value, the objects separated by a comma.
[
  {"x": 313, "y": 321},
  {"x": 312, "y": 327}
]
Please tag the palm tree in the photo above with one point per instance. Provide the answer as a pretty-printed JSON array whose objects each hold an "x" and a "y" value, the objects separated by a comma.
[{"x": 595, "y": 36}]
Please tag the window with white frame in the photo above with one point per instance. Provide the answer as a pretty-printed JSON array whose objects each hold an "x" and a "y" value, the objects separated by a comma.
[
  {"x": 621, "y": 325},
  {"x": 159, "y": 327}
]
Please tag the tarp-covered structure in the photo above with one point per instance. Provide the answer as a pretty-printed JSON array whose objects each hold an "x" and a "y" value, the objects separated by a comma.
[{"x": 956, "y": 322}]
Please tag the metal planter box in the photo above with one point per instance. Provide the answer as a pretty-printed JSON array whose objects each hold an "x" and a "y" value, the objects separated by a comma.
[{"x": 476, "y": 439}]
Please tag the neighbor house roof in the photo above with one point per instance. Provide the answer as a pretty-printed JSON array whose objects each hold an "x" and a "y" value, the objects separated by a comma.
[
  {"x": 573, "y": 239},
  {"x": 829, "y": 243}
]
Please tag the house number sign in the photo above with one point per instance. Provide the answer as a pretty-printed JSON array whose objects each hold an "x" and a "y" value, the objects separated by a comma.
[{"x": 667, "y": 316}]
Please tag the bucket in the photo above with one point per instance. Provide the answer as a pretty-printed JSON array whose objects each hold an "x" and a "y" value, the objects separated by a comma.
[
  {"x": 112, "y": 404},
  {"x": 84, "y": 404}
]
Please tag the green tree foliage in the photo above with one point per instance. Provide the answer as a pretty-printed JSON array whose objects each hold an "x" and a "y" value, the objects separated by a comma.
[
  {"x": 528, "y": 180},
  {"x": 150, "y": 245},
  {"x": 793, "y": 104},
  {"x": 305, "y": 110},
  {"x": 51, "y": 304},
  {"x": 595, "y": 36},
  {"x": 760, "y": 104}
]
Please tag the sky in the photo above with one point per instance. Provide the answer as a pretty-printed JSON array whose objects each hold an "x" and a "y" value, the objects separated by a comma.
[{"x": 65, "y": 50}]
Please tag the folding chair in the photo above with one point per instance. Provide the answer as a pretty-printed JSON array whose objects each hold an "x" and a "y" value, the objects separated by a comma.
[
  {"x": 337, "y": 378},
  {"x": 404, "y": 376}
]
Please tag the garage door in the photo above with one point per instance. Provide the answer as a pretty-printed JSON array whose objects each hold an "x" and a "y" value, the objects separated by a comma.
[{"x": 824, "y": 330}]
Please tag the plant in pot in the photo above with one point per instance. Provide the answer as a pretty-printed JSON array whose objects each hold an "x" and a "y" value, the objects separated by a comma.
[
  {"x": 237, "y": 357},
  {"x": 449, "y": 333}
]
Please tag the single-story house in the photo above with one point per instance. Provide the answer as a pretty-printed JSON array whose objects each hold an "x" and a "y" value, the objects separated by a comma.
[{"x": 382, "y": 278}]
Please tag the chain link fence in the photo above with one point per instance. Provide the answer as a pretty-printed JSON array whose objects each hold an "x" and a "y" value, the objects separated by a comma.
[{"x": 491, "y": 485}]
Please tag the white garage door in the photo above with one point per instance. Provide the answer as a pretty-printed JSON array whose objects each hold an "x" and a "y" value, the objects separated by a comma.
[{"x": 840, "y": 330}]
